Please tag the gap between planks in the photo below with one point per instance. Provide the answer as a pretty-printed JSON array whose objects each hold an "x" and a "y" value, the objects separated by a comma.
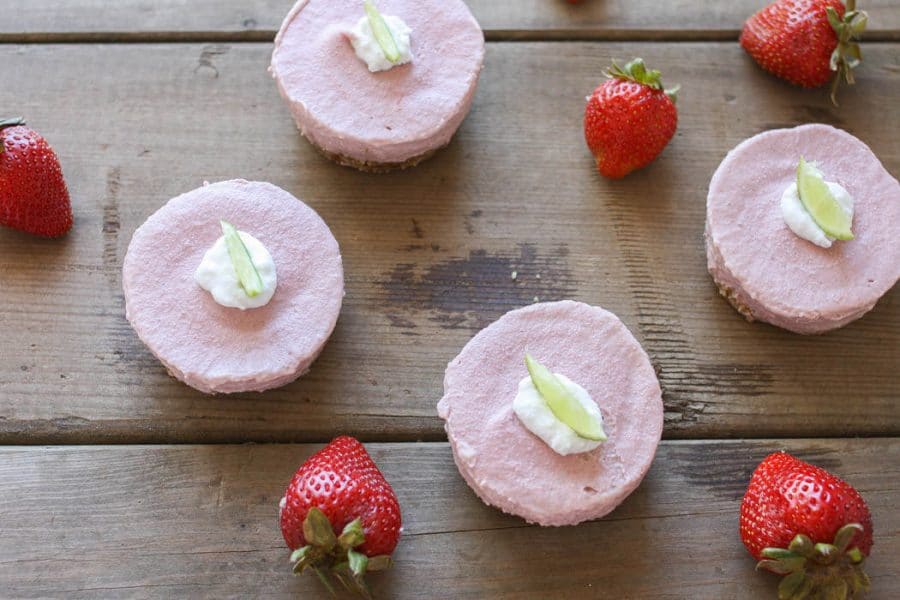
[
  {"x": 496, "y": 35},
  {"x": 100, "y": 434}
]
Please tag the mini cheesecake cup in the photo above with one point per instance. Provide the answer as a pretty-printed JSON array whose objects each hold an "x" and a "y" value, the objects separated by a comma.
[
  {"x": 511, "y": 468},
  {"x": 217, "y": 349},
  {"x": 389, "y": 119},
  {"x": 770, "y": 274}
]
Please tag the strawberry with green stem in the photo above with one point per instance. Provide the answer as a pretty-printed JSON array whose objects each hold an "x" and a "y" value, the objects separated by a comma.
[
  {"x": 800, "y": 521},
  {"x": 807, "y": 42},
  {"x": 629, "y": 119},
  {"x": 340, "y": 516}
]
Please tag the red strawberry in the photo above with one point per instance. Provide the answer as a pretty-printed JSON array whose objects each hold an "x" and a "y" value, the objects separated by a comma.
[
  {"x": 801, "y": 521},
  {"x": 33, "y": 194},
  {"x": 629, "y": 119},
  {"x": 806, "y": 42},
  {"x": 339, "y": 515}
]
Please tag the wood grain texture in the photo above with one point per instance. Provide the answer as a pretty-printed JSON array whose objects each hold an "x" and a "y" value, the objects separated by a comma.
[
  {"x": 428, "y": 257},
  {"x": 201, "y": 521},
  {"x": 231, "y": 20},
  {"x": 428, "y": 253}
]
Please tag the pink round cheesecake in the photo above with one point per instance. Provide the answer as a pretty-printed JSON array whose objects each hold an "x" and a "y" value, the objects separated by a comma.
[
  {"x": 222, "y": 349},
  {"x": 381, "y": 120},
  {"x": 770, "y": 273},
  {"x": 509, "y": 466}
]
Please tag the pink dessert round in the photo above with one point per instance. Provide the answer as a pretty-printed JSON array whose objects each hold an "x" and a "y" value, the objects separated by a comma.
[
  {"x": 208, "y": 346},
  {"x": 511, "y": 468},
  {"x": 770, "y": 274},
  {"x": 387, "y": 119}
]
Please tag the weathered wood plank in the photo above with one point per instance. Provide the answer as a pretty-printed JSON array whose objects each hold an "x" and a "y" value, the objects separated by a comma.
[
  {"x": 85, "y": 20},
  {"x": 428, "y": 252},
  {"x": 134, "y": 521}
]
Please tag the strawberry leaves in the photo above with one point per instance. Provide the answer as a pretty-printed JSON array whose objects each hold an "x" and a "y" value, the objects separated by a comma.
[
  {"x": 635, "y": 70},
  {"x": 846, "y": 55},
  {"x": 333, "y": 556},
  {"x": 819, "y": 570},
  {"x": 317, "y": 530},
  {"x": 352, "y": 535}
]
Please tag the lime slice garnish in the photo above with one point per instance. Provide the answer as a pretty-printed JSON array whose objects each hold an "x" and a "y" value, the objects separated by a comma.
[
  {"x": 382, "y": 32},
  {"x": 243, "y": 265},
  {"x": 821, "y": 204},
  {"x": 563, "y": 404}
]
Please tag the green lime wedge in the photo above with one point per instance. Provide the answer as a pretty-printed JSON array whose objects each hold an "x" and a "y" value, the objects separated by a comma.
[
  {"x": 382, "y": 32},
  {"x": 821, "y": 205},
  {"x": 243, "y": 265},
  {"x": 564, "y": 405}
]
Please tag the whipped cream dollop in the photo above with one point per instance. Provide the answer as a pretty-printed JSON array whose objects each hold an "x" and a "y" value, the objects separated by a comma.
[
  {"x": 369, "y": 50},
  {"x": 535, "y": 414},
  {"x": 798, "y": 219},
  {"x": 216, "y": 274}
]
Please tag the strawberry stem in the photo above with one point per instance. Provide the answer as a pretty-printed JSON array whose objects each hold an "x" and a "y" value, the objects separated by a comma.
[
  {"x": 846, "y": 55},
  {"x": 324, "y": 581}
]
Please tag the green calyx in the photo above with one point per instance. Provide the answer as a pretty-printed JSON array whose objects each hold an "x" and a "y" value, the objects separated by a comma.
[
  {"x": 333, "y": 557},
  {"x": 636, "y": 71},
  {"x": 818, "y": 570},
  {"x": 846, "y": 55},
  {"x": 13, "y": 122}
]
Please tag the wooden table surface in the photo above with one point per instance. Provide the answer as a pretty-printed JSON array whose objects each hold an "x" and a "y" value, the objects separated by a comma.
[{"x": 117, "y": 481}]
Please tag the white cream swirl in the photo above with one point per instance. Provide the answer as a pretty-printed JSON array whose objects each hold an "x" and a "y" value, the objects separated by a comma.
[
  {"x": 798, "y": 219},
  {"x": 536, "y": 416},
  {"x": 216, "y": 274},
  {"x": 369, "y": 50}
]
